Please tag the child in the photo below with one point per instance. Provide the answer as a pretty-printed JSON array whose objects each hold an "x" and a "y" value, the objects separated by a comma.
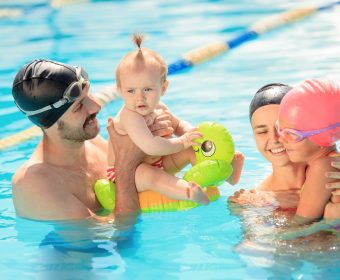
[
  {"x": 309, "y": 126},
  {"x": 141, "y": 80}
]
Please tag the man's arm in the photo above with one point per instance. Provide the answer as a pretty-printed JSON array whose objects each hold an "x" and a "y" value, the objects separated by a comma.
[{"x": 127, "y": 158}]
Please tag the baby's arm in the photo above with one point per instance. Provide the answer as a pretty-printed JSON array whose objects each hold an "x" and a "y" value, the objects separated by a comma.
[
  {"x": 135, "y": 126},
  {"x": 314, "y": 195}
]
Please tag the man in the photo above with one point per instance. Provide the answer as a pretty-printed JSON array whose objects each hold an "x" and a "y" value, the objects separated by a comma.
[{"x": 56, "y": 183}]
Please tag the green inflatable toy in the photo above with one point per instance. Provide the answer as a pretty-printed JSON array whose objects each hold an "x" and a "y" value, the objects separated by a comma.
[
  {"x": 105, "y": 191},
  {"x": 214, "y": 153},
  {"x": 213, "y": 156}
]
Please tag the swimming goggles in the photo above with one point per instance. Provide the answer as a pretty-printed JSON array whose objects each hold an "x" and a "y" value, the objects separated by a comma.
[
  {"x": 293, "y": 135},
  {"x": 71, "y": 93}
]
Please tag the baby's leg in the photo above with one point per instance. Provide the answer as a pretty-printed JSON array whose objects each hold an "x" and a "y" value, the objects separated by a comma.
[
  {"x": 176, "y": 162},
  {"x": 151, "y": 178}
]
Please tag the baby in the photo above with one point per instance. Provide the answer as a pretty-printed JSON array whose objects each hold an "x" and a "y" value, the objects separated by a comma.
[{"x": 141, "y": 78}]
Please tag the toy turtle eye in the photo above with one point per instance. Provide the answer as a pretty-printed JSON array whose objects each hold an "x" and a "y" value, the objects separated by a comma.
[{"x": 208, "y": 148}]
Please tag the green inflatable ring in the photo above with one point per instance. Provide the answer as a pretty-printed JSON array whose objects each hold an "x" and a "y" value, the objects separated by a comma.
[{"x": 214, "y": 154}]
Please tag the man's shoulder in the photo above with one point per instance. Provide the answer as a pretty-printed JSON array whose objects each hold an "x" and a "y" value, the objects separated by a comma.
[
  {"x": 33, "y": 185},
  {"x": 32, "y": 175}
]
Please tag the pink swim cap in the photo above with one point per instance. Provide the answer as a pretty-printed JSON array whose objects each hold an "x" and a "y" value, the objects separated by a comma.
[{"x": 314, "y": 104}]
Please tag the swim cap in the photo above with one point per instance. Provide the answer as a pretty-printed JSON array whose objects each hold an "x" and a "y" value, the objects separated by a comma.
[
  {"x": 267, "y": 95},
  {"x": 41, "y": 83},
  {"x": 314, "y": 104}
]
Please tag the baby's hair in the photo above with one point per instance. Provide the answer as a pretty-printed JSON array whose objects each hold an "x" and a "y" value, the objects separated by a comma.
[
  {"x": 138, "y": 59},
  {"x": 138, "y": 39}
]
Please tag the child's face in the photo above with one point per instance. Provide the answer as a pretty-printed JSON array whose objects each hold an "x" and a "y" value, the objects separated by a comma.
[
  {"x": 266, "y": 137},
  {"x": 301, "y": 151},
  {"x": 141, "y": 90}
]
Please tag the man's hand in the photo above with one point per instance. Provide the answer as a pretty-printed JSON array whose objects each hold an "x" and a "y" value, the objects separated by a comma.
[{"x": 162, "y": 125}]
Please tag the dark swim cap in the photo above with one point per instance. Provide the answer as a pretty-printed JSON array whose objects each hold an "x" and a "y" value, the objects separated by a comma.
[
  {"x": 267, "y": 95},
  {"x": 41, "y": 83}
]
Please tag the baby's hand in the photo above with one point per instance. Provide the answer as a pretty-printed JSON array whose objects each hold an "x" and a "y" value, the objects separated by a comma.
[{"x": 188, "y": 138}]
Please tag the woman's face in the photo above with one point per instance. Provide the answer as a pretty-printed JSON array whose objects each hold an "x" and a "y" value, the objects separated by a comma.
[{"x": 266, "y": 137}]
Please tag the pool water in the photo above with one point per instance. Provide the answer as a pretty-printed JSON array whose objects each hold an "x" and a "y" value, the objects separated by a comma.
[{"x": 212, "y": 242}]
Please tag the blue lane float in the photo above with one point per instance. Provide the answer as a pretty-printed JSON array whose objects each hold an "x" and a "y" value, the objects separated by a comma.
[{"x": 267, "y": 24}]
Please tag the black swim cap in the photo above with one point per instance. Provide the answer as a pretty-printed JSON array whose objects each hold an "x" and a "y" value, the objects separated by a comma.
[
  {"x": 41, "y": 83},
  {"x": 268, "y": 94}
]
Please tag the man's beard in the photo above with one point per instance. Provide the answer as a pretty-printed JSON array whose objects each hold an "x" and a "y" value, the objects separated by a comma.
[{"x": 79, "y": 134}]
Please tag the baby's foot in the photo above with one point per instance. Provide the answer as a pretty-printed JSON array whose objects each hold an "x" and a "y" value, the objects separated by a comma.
[
  {"x": 237, "y": 165},
  {"x": 196, "y": 194}
]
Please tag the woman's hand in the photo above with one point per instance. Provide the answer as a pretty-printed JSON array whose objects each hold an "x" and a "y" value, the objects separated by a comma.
[{"x": 332, "y": 210}]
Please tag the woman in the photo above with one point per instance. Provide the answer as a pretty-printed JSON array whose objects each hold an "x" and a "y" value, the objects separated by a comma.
[{"x": 283, "y": 184}]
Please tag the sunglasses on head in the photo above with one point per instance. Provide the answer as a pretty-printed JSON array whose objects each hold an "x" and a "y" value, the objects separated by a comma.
[
  {"x": 292, "y": 135},
  {"x": 71, "y": 93}
]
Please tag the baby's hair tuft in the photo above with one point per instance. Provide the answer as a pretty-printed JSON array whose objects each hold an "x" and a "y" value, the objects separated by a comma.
[{"x": 138, "y": 39}]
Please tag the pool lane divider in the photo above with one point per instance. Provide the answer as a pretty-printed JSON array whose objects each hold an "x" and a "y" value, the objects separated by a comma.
[
  {"x": 267, "y": 24},
  {"x": 194, "y": 57}
]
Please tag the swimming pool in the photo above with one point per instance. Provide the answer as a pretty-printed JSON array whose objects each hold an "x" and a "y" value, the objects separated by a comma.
[{"x": 210, "y": 242}]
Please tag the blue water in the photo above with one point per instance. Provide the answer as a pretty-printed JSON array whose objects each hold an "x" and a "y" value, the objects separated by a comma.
[{"x": 213, "y": 242}]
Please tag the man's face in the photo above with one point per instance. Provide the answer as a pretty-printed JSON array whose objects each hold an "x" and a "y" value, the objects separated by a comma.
[{"x": 80, "y": 123}]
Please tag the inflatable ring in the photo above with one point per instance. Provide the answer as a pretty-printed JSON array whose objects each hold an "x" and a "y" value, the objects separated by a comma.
[
  {"x": 214, "y": 153},
  {"x": 149, "y": 201}
]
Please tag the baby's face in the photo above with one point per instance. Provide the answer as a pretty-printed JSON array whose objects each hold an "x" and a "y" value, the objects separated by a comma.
[{"x": 141, "y": 89}]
